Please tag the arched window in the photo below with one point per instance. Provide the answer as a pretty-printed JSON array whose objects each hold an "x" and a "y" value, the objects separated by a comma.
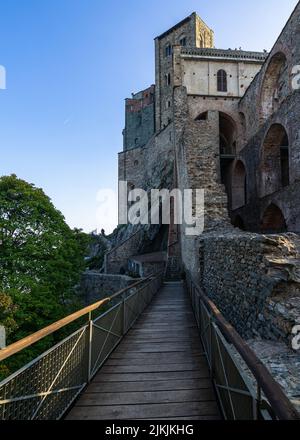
[
  {"x": 273, "y": 221},
  {"x": 239, "y": 185},
  {"x": 222, "y": 81},
  {"x": 275, "y": 172},
  {"x": 182, "y": 41}
]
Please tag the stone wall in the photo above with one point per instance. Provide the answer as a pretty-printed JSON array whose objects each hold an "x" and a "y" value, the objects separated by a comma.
[
  {"x": 139, "y": 119},
  {"x": 95, "y": 286},
  {"x": 158, "y": 154},
  {"x": 288, "y": 45},
  {"x": 149, "y": 167},
  {"x": 288, "y": 201},
  {"x": 198, "y": 165},
  {"x": 199, "y": 104},
  {"x": 270, "y": 106},
  {"x": 116, "y": 260},
  {"x": 196, "y": 34},
  {"x": 254, "y": 280},
  {"x": 200, "y": 75},
  {"x": 151, "y": 268},
  {"x": 252, "y": 155}
]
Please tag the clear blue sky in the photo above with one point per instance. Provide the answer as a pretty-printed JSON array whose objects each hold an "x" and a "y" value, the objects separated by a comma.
[{"x": 71, "y": 63}]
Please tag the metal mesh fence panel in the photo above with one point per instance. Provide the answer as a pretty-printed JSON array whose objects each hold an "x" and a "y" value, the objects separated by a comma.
[
  {"x": 237, "y": 395},
  {"x": 45, "y": 386}
]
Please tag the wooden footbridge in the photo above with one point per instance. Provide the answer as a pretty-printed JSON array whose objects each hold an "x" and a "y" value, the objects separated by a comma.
[
  {"x": 159, "y": 351},
  {"x": 158, "y": 371}
]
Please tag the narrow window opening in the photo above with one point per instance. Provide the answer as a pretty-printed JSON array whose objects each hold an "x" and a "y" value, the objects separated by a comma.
[{"x": 222, "y": 81}]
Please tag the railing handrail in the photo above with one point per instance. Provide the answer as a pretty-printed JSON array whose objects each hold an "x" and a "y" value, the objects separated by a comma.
[
  {"x": 282, "y": 406},
  {"x": 26, "y": 342}
]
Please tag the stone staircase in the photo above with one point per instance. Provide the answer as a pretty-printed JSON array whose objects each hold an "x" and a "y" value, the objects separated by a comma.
[{"x": 173, "y": 269}]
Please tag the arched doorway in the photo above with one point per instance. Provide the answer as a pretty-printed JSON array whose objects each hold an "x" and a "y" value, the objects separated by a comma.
[
  {"x": 274, "y": 84},
  {"x": 238, "y": 222},
  {"x": 273, "y": 221},
  {"x": 275, "y": 160},
  {"x": 239, "y": 186},
  {"x": 227, "y": 145},
  {"x": 227, "y": 135}
]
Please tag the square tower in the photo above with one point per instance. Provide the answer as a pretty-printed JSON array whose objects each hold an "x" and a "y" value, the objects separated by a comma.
[{"x": 190, "y": 32}]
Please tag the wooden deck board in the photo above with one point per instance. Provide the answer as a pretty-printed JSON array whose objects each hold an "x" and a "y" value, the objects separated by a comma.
[
  {"x": 151, "y": 411},
  {"x": 135, "y": 377},
  {"x": 159, "y": 370},
  {"x": 156, "y": 385},
  {"x": 152, "y": 368},
  {"x": 147, "y": 397}
]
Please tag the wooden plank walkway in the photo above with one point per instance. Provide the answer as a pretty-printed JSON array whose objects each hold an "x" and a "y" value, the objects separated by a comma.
[{"x": 157, "y": 372}]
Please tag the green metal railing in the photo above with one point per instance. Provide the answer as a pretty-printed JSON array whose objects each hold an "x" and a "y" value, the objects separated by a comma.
[
  {"x": 247, "y": 392},
  {"x": 45, "y": 388}
]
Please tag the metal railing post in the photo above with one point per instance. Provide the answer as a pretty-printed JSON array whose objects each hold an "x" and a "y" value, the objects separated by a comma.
[
  {"x": 124, "y": 315},
  {"x": 210, "y": 347},
  {"x": 258, "y": 402},
  {"x": 90, "y": 328}
]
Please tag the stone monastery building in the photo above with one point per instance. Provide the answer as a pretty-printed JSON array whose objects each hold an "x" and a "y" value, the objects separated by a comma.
[{"x": 226, "y": 121}]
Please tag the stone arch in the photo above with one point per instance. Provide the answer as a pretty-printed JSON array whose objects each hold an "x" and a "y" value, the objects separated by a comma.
[
  {"x": 275, "y": 160},
  {"x": 273, "y": 221},
  {"x": 272, "y": 91},
  {"x": 202, "y": 117},
  {"x": 239, "y": 185},
  {"x": 227, "y": 134},
  {"x": 227, "y": 148}
]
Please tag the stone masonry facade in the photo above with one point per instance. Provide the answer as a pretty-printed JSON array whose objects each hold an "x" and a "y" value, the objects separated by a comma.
[{"x": 228, "y": 122}]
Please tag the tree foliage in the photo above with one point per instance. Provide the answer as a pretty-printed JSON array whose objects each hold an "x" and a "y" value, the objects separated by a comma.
[{"x": 41, "y": 259}]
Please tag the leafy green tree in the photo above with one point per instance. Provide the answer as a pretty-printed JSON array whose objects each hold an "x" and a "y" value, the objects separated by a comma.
[
  {"x": 7, "y": 310},
  {"x": 41, "y": 259}
]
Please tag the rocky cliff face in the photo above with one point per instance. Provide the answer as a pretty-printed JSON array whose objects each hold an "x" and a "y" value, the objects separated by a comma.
[{"x": 129, "y": 240}]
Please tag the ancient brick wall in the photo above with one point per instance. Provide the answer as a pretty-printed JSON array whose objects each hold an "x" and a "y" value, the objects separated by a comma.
[{"x": 254, "y": 280}]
